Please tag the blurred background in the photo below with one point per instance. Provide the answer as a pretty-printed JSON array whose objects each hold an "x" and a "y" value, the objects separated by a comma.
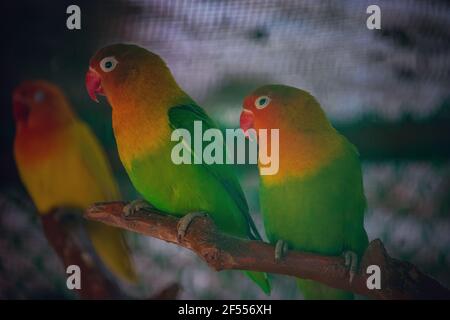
[{"x": 387, "y": 90}]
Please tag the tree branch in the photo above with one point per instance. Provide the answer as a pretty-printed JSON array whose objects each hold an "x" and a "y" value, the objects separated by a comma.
[
  {"x": 65, "y": 231},
  {"x": 399, "y": 280}
]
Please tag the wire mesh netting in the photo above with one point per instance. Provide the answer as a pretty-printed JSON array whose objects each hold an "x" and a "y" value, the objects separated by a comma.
[{"x": 218, "y": 52}]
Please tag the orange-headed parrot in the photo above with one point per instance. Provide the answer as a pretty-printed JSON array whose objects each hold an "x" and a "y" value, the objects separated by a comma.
[
  {"x": 315, "y": 202},
  {"x": 62, "y": 164},
  {"x": 147, "y": 106}
]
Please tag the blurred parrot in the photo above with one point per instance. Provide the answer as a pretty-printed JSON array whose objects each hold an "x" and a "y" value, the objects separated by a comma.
[
  {"x": 62, "y": 164},
  {"x": 315, "y": 202},
  {"x": 147, "y": 105}
]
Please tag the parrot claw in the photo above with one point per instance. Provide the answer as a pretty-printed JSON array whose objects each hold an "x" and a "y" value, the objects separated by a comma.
[
  {"x": 280, "y": 249},
  {"x": 136, "y": 205},
  {"x": 351, "y": 262},
  {"x": 184, "y": 223}
]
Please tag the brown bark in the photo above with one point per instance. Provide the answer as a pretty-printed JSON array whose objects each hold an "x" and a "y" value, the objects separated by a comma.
[
  {"x": 399, "y": 280},
  {"x": 65, "y": 232}
]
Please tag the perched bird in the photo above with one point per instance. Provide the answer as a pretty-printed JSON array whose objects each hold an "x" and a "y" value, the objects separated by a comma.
[
  {"x": 147, "y": 105},
  {"x": 62, "y": 164},
  {"x": 315, "y": 202}
]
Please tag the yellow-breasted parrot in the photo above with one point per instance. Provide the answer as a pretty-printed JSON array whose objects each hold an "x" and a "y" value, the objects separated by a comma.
[
  {"x": 147, "y": 105},
  {"x": 315, "y": 202},
  {"x": 62, "y": 164}
]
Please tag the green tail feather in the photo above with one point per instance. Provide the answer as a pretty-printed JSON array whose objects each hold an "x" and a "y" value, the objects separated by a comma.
[
  {"x": 312, "y": 290},
  {"x": 261, "y": 279}
]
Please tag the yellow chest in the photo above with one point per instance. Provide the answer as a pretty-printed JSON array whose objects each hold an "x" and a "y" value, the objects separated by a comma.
[
  {"x": 301, "y": 155},
  {"x": 140, "y": 131},
  {"x": 60, "y": 176}
]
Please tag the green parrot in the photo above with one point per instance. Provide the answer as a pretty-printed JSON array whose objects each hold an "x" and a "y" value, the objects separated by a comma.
[
  {"x": 315, "y": 202},
  {"x": 147, "y": 105}
]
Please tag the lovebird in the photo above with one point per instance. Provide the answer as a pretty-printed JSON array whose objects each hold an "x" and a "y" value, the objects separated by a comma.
[
  {"x": 315, "y": 202},
  {"x": 147, "y": 106},
  {"x": 62, "y": 164}
]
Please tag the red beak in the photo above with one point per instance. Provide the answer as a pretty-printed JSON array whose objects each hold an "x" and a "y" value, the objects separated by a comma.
[
  {"x": 94, "y": 84},
  {"x": 20, "y": 109},
  {"x": 246, "y": 121}
]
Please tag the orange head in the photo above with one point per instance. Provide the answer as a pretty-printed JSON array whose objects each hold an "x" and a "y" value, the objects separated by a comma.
[
  {"x": 121, "y": 71},
  {"x": 282, "y": 107},
  {"x": 40, "y": 106}
]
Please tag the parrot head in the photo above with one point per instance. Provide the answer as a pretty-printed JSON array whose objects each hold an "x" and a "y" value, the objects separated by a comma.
[
  {"x": 120, "y": 69},
  {"x": 40, "y": 105},
  {"x": 282, "y": 107}
]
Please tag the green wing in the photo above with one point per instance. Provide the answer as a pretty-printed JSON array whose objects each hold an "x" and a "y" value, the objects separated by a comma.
[{"x": 183, "y": 116}]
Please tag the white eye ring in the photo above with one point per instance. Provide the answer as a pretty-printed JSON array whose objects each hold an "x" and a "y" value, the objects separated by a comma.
[
  {"x": 39, "y": 96},
  {"x": 108, "y": 64},
  {"x": 262, "y": 102}
]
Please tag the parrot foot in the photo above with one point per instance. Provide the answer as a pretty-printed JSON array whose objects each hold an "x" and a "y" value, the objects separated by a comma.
[
  {"x": 136, "y": 205},
  {"x": 184, "y": 223},
  {"x": 351, "y": 262},
  {"x": 280, "y": 249}
]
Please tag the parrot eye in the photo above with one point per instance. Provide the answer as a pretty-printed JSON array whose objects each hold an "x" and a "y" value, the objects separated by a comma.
[
  {"x": 262, "y": 102},
  {"x": 39, "y": 96},
  {"x": 108, "y": 64}
]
